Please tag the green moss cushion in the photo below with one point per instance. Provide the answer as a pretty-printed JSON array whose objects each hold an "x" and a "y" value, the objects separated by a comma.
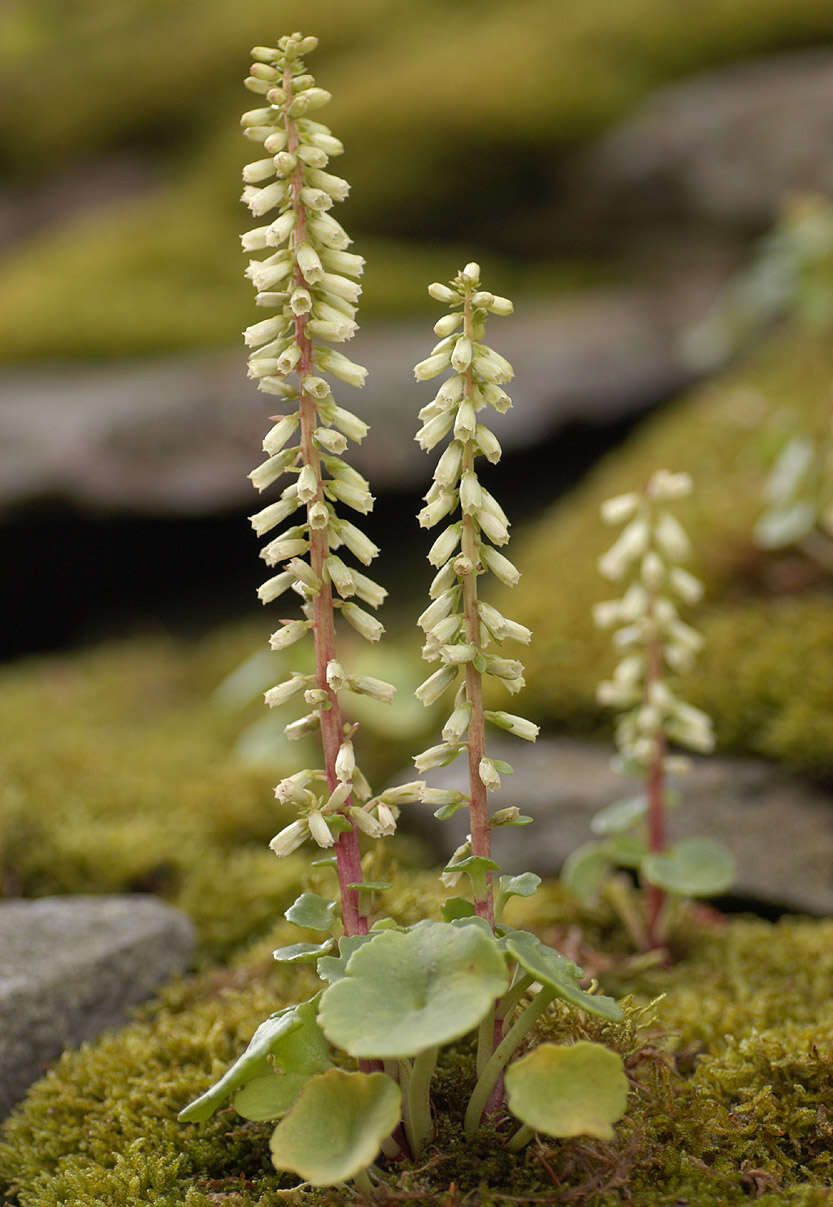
[
  {"x": 120, "y": 776},
  {"x": 734, "y": 1104},
  {"x": 766, "y": 672}
]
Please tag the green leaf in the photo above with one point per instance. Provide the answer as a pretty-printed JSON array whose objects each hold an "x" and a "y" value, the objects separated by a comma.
[
  {"x": 457, "y": 907},
  {"x": 619, "y": 816},
  {"x": 551, "y": 968},
  {"x": 333, "y": 968},
  {"x": 695, "y": 867},
  {"x": 579, "y": 1090},
  {"x": 447, "y": 811},
  {"x": 312, "y": 912},
  {"x": 411, "y": 990},
  {"x": 336, "y": 1126},
  {"x": 302, "y": 953},
  {"x": 504, "y": 768},
  {"x": 269, "y": 1096},
  {"x": 251, "y": 1064},
  {"x": 585, "y": 870},
  {"x": 371, "y": 886},
  {"x": 625, "y": 850},
  {"x": 299, "y": 1055},
  {"x": 524, "y": 885}
]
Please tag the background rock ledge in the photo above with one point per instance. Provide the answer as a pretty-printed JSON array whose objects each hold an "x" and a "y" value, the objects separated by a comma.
[
  {"x": 71, "y": 967},
  {"x": 778, "y": 826}
]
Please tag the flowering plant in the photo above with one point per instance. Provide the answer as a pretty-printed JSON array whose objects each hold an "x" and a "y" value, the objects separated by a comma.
[
  {"x": 655, "y": 643},
  {"x": 347, "y": 1074}
]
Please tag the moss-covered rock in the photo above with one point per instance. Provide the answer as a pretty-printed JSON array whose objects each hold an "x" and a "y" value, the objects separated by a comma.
[
  {"x": 766, "y": 672},
  {"x": 731, "y": 1072}
]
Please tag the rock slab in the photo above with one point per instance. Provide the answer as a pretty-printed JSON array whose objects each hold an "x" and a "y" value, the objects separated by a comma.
[
  {"x": 779, "y": 827},
  {"x": 72, "y": 967}
]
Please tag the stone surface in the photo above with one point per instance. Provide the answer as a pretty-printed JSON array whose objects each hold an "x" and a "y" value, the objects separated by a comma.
[
  {"x": 724, "y": 147},
  {"x": 778, "y": 827},
  {"x": 71, "y": 967},
  {"x": 178, "y": 435}
]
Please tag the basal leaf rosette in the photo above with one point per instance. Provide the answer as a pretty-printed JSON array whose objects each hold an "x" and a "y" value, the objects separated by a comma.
[{"x": 464, "y": 634}]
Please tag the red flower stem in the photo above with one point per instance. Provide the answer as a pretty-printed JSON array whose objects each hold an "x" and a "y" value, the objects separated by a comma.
[
  {"x": 481, "y": 835},
  {"x": 655, "y": 791},
  {"x": 348, "y": 855}
]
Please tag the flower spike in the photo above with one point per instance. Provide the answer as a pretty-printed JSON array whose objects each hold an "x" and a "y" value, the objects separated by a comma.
[
  {"x": 307, "y": 280},
  {"x": 458, "y": 627}
]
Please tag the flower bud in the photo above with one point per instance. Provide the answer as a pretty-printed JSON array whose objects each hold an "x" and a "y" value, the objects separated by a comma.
[
  {"x": 436, "y": 756},
  {"x": 290, "y": 632},
  {"x": 290, "y": 838},
  {"x": 488, "y": 773},
  {"x": 365, "y": 625},
  {"x": 434, "y": 686},
  {"x": 319, "y": 830}
]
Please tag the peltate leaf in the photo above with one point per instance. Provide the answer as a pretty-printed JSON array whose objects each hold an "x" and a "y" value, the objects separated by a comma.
[
  {"x": 269, "y": 1096},
  {"x": 336, "y": 1125},
  {"x": 312, "y": 912},
  {"x": 410, "y": 990},
  {"x": 551, "y": 968},
  {"x": 579, "y": 1090},
  {"x": 625, "y": 850},
  {"x": 695, "y": 867},
  {"x": 524, "y": 885}
]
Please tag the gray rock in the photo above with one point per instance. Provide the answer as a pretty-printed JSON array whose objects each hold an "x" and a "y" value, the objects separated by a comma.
[
  {"x": 179, "y": 435},
  {"x": 779, "y": 827},
  {"x": 724, "y": 147},
  {"x": 72, "y": 967}
]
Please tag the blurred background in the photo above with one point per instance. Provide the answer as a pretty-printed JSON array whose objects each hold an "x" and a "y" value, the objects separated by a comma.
[
  {"x": 621, "y": 168},
  {"x": 608, "y": 163}
]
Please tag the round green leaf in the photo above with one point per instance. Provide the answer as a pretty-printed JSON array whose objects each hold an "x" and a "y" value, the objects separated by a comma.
[
  {"x": 551, "y": 968},
  {"x": 312, "y": 912},
  {"x": 695, "y": 867},
  {"x": 625, "y": 850},
  {"x": 336, "y": 1125},
  {"x": 411, "y": 990},
  {"x": 585, "y": 870},
  {"x": 619, "y": 816},
  {"x": 579, "y": 1090}
]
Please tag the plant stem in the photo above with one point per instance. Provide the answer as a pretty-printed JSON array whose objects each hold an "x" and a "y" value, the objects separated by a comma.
[
  {"x": 655, "y": 791},
  {"x": 419, "y": 1100},
  {"x": 347, "y": 850},
  {"x": 513, "y": 995},
  {"x": 481, "y": 835},
  {"x": 485, "y": 1040},
  {"x": 497, "y": 1062},
  {"x": 520, "y": 1139}
]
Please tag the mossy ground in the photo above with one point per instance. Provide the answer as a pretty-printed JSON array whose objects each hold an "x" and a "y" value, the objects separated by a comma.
[
  {"x": 731, "y": 1071},
  {"x": 765, "y": 674},
  {"x": 512, "y": 88}
]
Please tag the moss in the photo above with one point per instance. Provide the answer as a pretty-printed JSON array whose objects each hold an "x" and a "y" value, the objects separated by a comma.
[
  {"x": 766, "y": 672},
  {"x": 120, "y": 775},
  {"x": 732, "y": 1074}
]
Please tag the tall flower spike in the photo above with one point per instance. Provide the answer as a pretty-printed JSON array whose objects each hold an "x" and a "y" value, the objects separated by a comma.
[
  {"x": 654, "y": 641},
  {"x": 307, "y": 281},
  {"x": 459, "y": 628}
]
